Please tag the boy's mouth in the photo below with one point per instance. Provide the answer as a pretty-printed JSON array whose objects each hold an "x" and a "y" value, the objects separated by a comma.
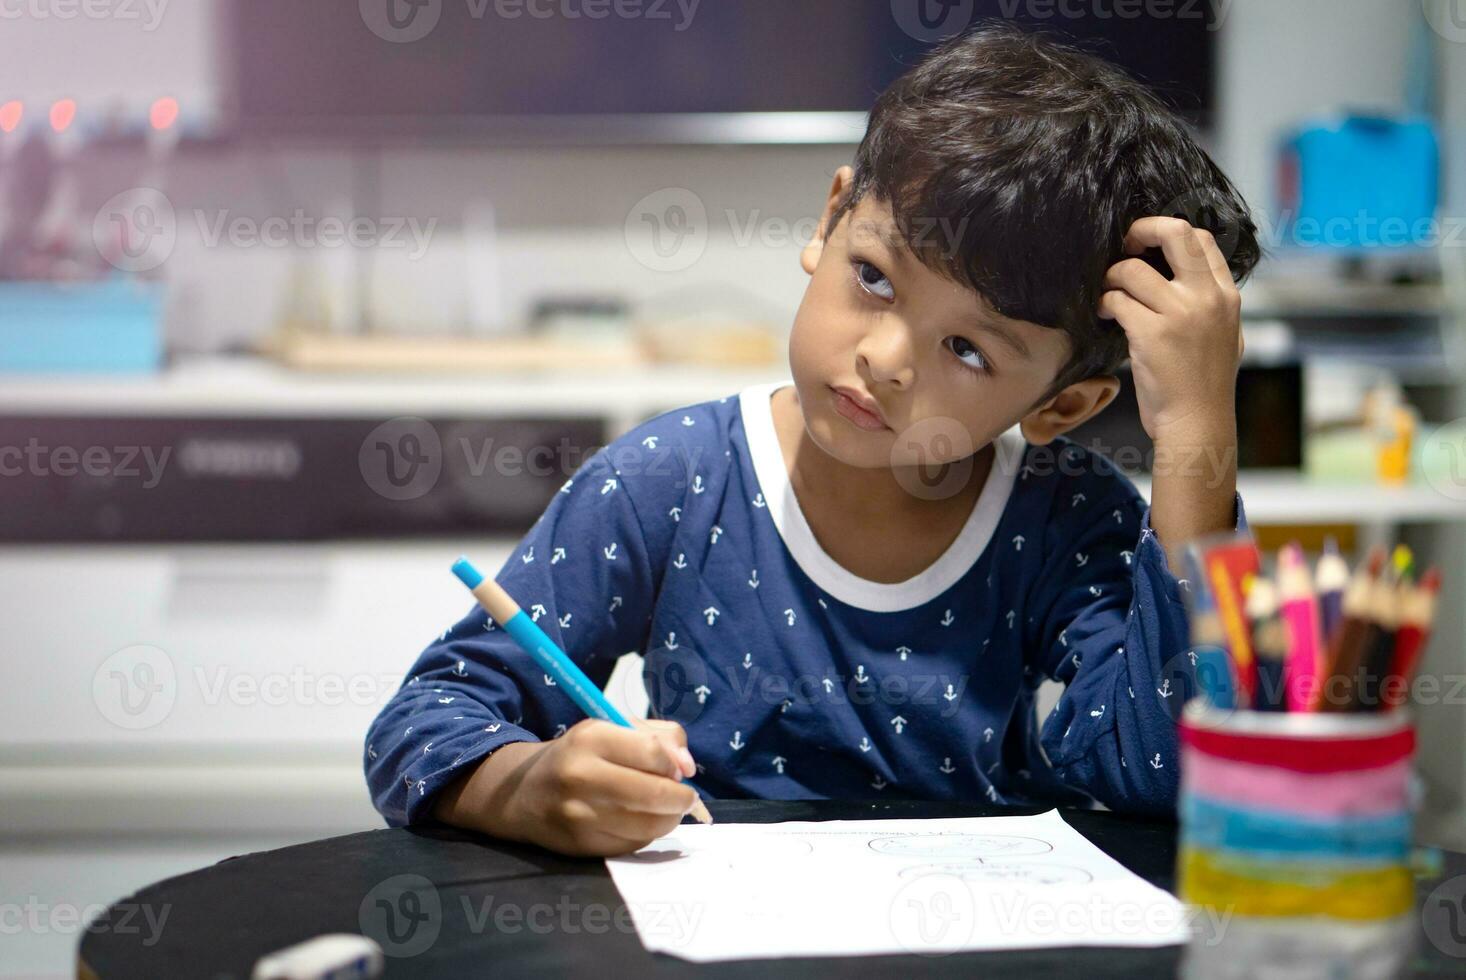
[{"x": 859, "y": 408}]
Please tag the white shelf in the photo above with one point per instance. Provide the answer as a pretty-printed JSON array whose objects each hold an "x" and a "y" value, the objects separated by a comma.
[
  {"x": 1290, "y": 498},
  {"x": 254, "y": 387}
]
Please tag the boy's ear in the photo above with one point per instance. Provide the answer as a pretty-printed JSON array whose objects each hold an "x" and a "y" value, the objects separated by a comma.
[
  {"x": 1069, "y": 408},
  {"x": 809, "y": 258}
]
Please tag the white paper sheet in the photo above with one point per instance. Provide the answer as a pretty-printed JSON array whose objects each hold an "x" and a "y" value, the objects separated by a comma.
[{"x": 863, "y": 887}]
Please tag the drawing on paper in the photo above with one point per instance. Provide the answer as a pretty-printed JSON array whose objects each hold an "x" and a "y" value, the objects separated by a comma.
[{"x": 959, "y": 846}]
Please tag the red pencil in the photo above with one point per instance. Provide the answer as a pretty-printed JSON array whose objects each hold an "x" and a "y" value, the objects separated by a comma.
[{"x": 1417, "y": 613}]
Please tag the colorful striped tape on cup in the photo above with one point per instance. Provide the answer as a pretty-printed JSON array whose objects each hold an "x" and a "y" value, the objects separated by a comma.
[{"x": 1296, "y": 815}]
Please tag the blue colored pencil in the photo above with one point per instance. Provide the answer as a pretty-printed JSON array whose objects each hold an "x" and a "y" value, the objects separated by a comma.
[{"x": 527, "y": 633}]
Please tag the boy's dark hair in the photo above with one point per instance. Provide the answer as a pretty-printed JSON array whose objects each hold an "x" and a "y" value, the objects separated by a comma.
[{"x": 1014, "y": 164}]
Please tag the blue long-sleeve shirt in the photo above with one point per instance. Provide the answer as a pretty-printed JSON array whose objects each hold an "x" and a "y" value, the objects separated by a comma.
[{"x": 795, "y": 678}]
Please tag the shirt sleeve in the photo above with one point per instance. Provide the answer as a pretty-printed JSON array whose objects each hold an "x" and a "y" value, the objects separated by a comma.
[
  {"x": 588, "y": 574},
  {"x": 1112, "y": 628}
]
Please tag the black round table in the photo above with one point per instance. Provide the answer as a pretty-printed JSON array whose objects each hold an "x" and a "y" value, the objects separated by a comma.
[{"x": 223, "y": 918}]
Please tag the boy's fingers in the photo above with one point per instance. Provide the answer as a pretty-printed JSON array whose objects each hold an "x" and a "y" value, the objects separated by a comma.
[
  {"x": 639, "y": 792},
  {"x": 1129, "y": 312},
  {"x": 675, "y": 738},
  {"x": 1220, "y": 271},
  {"x": 1177, "y": 240},
  {"x": 637, "y": 748},
  {"x": 1140, "y": 279}
]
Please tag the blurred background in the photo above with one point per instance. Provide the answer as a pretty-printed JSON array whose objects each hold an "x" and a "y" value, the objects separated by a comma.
[{"x": 301, "y": 298}]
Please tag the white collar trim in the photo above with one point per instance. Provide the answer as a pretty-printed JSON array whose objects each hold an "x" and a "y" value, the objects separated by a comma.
[{"x": 824, "y": 571}]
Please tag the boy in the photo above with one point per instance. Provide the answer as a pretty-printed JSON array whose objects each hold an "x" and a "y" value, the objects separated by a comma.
[{"x": 852, "y": 586}]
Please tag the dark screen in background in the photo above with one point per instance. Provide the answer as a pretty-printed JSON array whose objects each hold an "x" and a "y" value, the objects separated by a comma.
[{"x": 302, "y": 59}]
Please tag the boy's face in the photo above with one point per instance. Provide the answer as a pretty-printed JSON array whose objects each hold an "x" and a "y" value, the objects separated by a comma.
[{"x": 945, "y": 372}]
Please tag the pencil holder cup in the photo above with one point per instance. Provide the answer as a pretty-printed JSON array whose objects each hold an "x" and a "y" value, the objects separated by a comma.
[{"x": 1295, "y": 844}]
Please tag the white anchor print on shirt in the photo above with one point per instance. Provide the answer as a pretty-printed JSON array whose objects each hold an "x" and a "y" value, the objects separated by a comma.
[
  {"x": 491, "y": 729},
  {"x": 676, "y": 514},
  {"x": 736, "y": 742},
  {"x": 528, "y": 556},
  {"x": 610, "y": 551},
  {"x": 702, "y": 691},
  {"x": 758, "y": 501},
  {"x": 536, "y": 611},
  {"x": 864, "y": 745},
  {"x": 950, "y": 694},
  {"x": 681, "y": 561},
  {"x": 688, "y": 421},
  {"x": 861, "y": 676},
  {"x": 650, "y": 442},
  {"x": 878, "y": 782},
  {"x": 779, "y": 761},
  {"x": 898, "y": 723},
  {"x": 948, "y": 619},
  {"x": 672, "y": 643},
  {"x": 711, "y": 614},
  {"x": 947, "y": 766},
  {"x": 713, "y": 535},
  {"x": 789, "y": 616},
  {"x": 753, "y": 579},
  {"x": 609, "y": 485},
  {"x": 1156, "y": 762},
  {"x": 903, "y": 651},
  {"x": 558, "y": 556},
  {"x": 460, "y": 668},
  {"x": 697, "y": 486},
  {"x": 1018, "y": 540},
  {"x": 747, "y": 660}
]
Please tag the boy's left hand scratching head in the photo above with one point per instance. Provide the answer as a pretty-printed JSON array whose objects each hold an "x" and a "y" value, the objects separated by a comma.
[{"x": 1185, "y": 333}]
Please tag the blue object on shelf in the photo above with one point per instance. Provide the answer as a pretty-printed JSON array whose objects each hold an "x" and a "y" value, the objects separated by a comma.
[
  {"x": 1359, "y": 183},
  {"x": 114, "y": 326}
]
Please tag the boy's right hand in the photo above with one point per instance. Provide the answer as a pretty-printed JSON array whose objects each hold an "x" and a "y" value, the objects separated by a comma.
[{"x": 598, "y": 790}]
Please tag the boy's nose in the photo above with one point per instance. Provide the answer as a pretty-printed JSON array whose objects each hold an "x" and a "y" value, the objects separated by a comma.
[{"x": 886, "y": 355}]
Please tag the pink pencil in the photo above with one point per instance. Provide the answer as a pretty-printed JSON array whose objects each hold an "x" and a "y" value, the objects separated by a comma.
[{"x": 1301, "y": 614}]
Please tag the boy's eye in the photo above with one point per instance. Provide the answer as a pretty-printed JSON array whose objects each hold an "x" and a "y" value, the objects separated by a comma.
[
  {"x": 873, "y": 280},
  {"x": 966, "y": 353}
]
